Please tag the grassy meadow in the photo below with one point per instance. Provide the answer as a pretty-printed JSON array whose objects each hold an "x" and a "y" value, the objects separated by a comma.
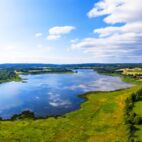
[
  {"x": 138, "y": 108},
  {"x": 138, "y": 134},
  {"x": 100, "y": 119},
  {"x": 133, "y": 71}
]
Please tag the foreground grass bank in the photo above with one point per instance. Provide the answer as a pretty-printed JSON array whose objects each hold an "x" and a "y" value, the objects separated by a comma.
[{"x": 100, "y": 119}]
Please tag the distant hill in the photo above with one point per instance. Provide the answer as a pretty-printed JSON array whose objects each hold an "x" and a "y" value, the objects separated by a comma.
[{"x": 35, "y": 65}]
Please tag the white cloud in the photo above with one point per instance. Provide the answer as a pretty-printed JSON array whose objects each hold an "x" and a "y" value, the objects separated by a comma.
[
  {"x": 53, "y": 37},
  {"x": 115, "y": 41},
  {"x": 135, "y": 27},
  {"x": 118, "y": 11},
  {"x": 61, "y": 30},
  {"x": 74, "y": 40},
  {"x": 57, "y": 32},
  {"x": 38, "y": 34}
]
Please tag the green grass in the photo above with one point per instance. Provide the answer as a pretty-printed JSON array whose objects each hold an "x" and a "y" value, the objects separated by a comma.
[
  {"x": 100, "y": 119},
  {"x": 138, "y": 110},
  {"x": 16, "y": 79},
  {"x": 138, "y": 134}
]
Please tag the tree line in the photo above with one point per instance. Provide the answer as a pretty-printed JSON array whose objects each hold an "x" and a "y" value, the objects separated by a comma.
[
  {"x": 131, "y": 118},
  {"x": 7, "y": 75}
]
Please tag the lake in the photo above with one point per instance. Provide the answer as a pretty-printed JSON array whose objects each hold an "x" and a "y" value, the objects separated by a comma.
[{"x": 53, "y": 93}]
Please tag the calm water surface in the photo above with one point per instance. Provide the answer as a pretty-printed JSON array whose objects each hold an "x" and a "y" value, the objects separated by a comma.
[{"x": 53, "y": 94}]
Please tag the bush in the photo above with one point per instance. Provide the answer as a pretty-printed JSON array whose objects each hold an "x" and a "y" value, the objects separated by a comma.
[
  {"x": 131, "y": 118},
  {"x": 138, "y": 120},
  {"x": 24, "y": 115}
]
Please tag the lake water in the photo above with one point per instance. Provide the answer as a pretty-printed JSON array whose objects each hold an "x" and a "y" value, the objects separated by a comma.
[{"x": 53, "y": 94}]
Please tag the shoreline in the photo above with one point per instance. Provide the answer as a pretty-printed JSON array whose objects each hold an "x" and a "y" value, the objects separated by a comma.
[
  {"x": 83, "y": 96},
  {"x": 19, "y": 79}
]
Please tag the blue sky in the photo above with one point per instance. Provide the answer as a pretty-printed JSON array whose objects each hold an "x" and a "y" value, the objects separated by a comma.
[{"x": 70, "y": 31}]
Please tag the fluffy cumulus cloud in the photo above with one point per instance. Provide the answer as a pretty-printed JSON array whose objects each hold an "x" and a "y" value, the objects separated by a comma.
[
  {"x": 38, "y": 34},
  {"x": 57, "y": 32},
  {"x": 118, "y": 11},
  {"x": 122, "y": 37}
]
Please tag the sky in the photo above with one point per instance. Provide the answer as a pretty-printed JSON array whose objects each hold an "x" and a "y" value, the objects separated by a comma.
[{"x": 70, "y": 31}]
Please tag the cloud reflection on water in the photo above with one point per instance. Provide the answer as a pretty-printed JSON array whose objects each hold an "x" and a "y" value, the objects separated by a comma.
[{"x": 47, "y": 94}]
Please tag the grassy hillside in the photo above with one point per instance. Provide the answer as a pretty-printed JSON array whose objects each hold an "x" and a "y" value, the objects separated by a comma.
[{"x": 100, "y": 119}]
